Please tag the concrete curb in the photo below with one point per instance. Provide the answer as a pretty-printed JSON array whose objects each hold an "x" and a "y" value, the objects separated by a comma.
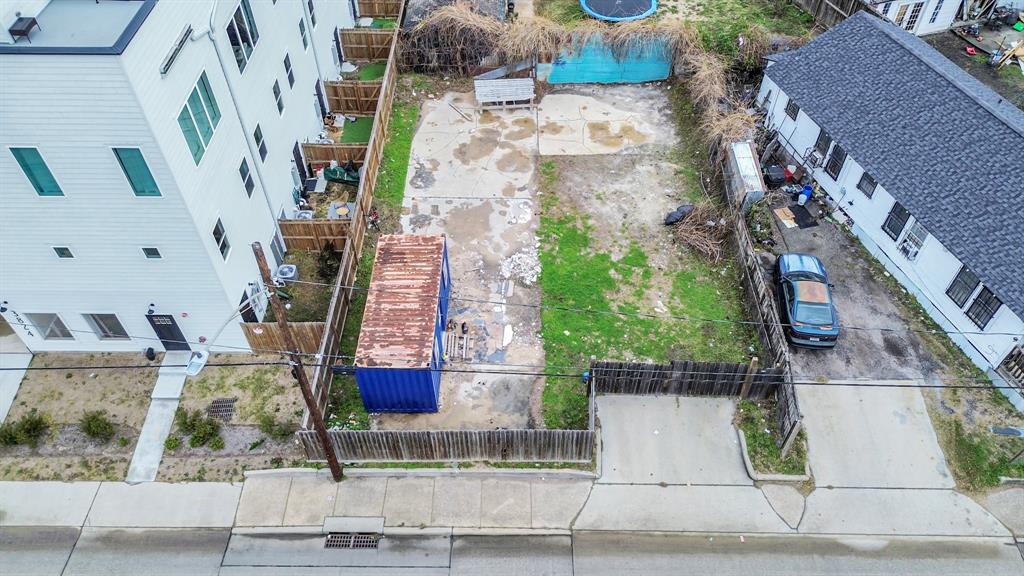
[
  {"x": 511, "y": 532},
  {"x": 1007, "y": 481},
  {"x": 758, "y": 477},
  {"x": 547, "y": 473}
]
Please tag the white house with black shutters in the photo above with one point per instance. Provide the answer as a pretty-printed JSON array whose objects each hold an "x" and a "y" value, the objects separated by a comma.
[
  {"x": 144, "y": 145},
  {"x": 918, "y": 154}
]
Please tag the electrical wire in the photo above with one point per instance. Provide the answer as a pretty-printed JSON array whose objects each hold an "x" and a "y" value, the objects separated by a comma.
[{"x": 660, "y": 316}]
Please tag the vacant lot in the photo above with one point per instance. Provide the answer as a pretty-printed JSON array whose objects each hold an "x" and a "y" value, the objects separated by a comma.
[
  {"x": 624, "y": 289},
  {"x": 1008, "y": 81}
]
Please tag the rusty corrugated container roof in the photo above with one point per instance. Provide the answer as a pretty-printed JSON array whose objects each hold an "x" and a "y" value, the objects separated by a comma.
[{"x": 401, "y": 305}]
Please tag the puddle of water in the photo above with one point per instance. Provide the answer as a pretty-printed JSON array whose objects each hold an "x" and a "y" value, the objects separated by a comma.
[
  {"x": 552, "y": 128},
  {"x": 514, "y": 161},
  {"x": 480, "y": 145},
  {"x": 601, "y": 133},
  {"x": 524, "y": 128}
]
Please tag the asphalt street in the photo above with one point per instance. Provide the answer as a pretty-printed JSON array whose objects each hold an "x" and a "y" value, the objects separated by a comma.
[{"x": 68, "y": 551}]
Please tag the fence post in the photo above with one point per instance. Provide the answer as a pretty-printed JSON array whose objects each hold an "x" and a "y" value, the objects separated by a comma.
[
  {"x": 745, "y": 389},
  {"x": 790, "y": 439}
]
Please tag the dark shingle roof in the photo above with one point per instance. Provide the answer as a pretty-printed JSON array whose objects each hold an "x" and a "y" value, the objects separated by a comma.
[{"x": 946, "y": 146}]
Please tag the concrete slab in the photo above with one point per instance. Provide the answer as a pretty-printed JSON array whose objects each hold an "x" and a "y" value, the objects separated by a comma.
[
  {"x": 675, "y": 440},
  {"x": 505, "y": 503},
  {"x": 512, "y": 555},
  {"x": 897, "y": 512},
  {"x": 160, "y": 505},
  {"x": 1008, "y": 506},
  {"x": 105, "y": 551},
  {"x": 46, "y": 503},
  {"x": 13, "y": 365},
  {"x": 871, "y": 437},
  {"x": 330, "y": 571},
  {"x": 361, "y": 497},
  {"x": 310, "y": 500},
  {"x": 263, "y": 501},
  {"x": 354, "y": 524},
  {"x": 585, "y": 120},
  {"x": 556, "y": 503},
  {"x": 428, "y": 550},
  {"x": 787, "y": 502},
  {"x": 408, "y": 501},
  {"x": 679, "y": 509},
  {"x": 171, "y": 375},
  {"x": 456, "y": 502},
  {"x": 150, "y": 448},
  {"x": 31, "y": 551}
]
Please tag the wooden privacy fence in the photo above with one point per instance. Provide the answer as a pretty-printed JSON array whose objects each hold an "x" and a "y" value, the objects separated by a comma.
[
  {"x": 760, "y": 297},
  {"x": 342, "y": 295},
  {"x": 454, "y": 445},
  {"x": 828, "y": 13},
  {"x": 267, "y": 335},
  {"x": 686, "y": 379},
  {"x": 353, "y": 97},
  {"x": 341, "y": 153},
  {"x": 367, "y": 43},
  {"x": 380, "y": 8},
  {"x": 787, "y": 414},
  {"x": 313, "y": 234}
]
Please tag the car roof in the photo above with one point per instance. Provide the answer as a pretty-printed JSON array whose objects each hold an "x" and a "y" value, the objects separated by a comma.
[
  {"x": 811, "y": 292},
  {"x": 796, "y": 262}
]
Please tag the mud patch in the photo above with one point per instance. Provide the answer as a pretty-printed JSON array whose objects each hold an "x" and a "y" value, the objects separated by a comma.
[
  {"x": 480, "y": 145},
  {"x": 514, "y": 161},
  {"x": 602, "y": 133},
  {"x": 523, "y": 128},
  {"x": 552, "y": 128},
  {"x": 894, "y": 345}
]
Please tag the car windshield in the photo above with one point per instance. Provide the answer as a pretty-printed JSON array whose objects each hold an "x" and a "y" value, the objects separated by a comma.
[{"x": 813, "y": 314}]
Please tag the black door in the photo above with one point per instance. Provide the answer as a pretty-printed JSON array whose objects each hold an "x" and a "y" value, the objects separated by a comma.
[
  {"x": 320, "y": 99},
  {"x": 300, "y": 164},
  {"x": 248, "y": 314},
  {"x": 168, "y": 332}
]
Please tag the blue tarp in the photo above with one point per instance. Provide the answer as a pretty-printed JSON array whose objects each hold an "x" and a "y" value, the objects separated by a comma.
[{"x": 596, "y": 63}]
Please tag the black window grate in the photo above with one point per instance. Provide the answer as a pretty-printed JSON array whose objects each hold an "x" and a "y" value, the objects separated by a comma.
[{"x": 352, "y": 540}]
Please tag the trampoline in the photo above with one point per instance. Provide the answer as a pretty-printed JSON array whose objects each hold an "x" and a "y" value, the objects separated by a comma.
[{"x": 619, "y": 10}]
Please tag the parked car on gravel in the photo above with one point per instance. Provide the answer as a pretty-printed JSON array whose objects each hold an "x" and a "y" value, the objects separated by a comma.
[{"x": 805, "y": 301}]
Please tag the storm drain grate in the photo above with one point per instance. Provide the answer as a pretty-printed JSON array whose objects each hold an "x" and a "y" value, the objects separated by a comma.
[
  {"x": 351, "y": 540},
  {"x": 222, "y": 409}
]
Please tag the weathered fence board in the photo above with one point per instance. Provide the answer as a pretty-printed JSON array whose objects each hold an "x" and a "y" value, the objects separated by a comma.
[
  {"x": 828, "y": 13},
  {"x": 454, "y": 445},
  {"x": 267, "y": 335},
  {"x": 313, "y": 234},
  {"x": 380, "y": 8},
  {"x": 341, "y": 153},
  {"x": 366, "y": 43},
  {"x": 353, "y": 97},
  {"x": 685, "y": 379}
]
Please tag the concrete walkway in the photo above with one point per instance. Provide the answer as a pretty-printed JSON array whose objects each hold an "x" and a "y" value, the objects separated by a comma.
[
  {"x": 159, "y": 419},
  {"x": 13, "y": 370}
]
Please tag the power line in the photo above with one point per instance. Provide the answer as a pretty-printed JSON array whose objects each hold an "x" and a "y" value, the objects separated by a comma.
[
  {"x": 839, "y": 382},
  {"x": 663, "y": 316}
]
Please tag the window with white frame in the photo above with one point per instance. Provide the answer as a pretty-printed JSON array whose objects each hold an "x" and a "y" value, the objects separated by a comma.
[
  {"x": 152, "y": 253},
  {"x": 220, "y": 237},
  {"x": 312, "y": 13},
  {"x": 935, "y": 13},
  {"x": 821, "y": 145},
  {"x": 302, "y": 33},
  {"x": 107, "y": 326},
  {"x": 915, "y": 14},
  {"x": 885, "y": 8},
  {"x": 246, "y": 175},
  {"x": 913, "y": 241},
  {"x": 895, "y": 221},
  {"x": 199, "y": 118},
  {"x": 277, "y": 97},
  {"x": 984, "y": 307},
  {"x": 242, "y": 34},
  {"x": 261, "y": 145},
  {"x": 50, "y": 326},
  {"x": 63, "y": 252},
  {"x": 288, "y": 71}
]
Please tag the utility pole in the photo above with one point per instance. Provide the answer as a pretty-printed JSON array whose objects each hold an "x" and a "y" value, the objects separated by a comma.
[{"x": 296, "y": 361}]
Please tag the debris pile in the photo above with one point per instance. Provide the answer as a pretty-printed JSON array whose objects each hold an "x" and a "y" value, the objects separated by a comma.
[
  {"x": 524, "y": 266},
  {"x": 701, "y": 227}
]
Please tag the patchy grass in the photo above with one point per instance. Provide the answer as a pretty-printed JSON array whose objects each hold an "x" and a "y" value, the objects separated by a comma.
[
  {"x": 357, "y": 132},
  {"x": 404, "y": 465},
  {"x": 562, "y": 11},
  {"x": 978, "y": 459},
  {"x": 390, "y": 188},
  {"x": 723, "y": 21},
  {"x": 261, "y": 390},
  {"x": 372, "y": 71},
  {"x": 346, "y": 410},
  {"x": 612, "y": 291},
  {"x": 757, "y": 421},
  {"x": 309, "y": 302}
]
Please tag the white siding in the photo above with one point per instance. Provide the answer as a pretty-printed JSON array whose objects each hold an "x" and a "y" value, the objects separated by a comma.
[
  {"x": 74, "y": 109},
  {"x": 929, "y": 275},
  {"x": 943, "y": 20}
]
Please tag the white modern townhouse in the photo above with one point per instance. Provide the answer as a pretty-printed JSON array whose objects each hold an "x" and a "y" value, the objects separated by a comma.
[
  {"x": 144, "y": 145},
  {"x": 920, "y": 156}
]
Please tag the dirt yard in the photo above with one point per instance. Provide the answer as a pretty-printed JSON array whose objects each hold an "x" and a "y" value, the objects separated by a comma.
[
  {"x": 63, "y": 396},
  {"x": 1007, "y": 81},
  {"x": 264, "y": 395}
]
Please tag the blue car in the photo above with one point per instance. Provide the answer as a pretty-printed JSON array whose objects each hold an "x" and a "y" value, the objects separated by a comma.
[{"x": 805, "y": 301}]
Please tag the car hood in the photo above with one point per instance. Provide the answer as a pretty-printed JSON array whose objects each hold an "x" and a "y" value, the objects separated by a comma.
[{"x": 790, "y": 263}]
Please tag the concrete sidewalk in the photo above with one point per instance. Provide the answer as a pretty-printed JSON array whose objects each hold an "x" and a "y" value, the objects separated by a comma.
[
  {"x": 13, "y": 365},
  {"x": 149, "y": 450},
  {"x": 472, "y": 501}
]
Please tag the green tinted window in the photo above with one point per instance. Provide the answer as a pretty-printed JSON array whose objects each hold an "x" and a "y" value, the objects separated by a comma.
[
  {"x": 36, "y": 171},
  {"x": 135, "y": 168}
]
